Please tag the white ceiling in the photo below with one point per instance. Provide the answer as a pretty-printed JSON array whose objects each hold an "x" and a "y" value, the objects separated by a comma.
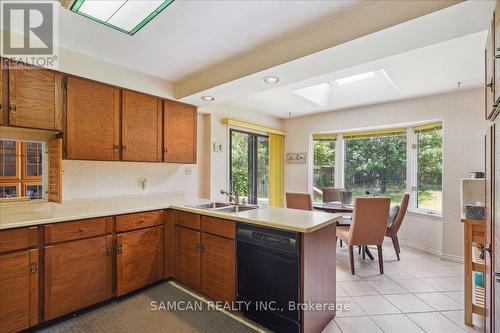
[
  {"x": 425, "y": 71},
  {"x": 192, "y": 34}
]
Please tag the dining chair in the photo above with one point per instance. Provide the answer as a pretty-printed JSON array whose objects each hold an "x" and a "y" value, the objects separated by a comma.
[
  {"x": 331, "y": 194},
  {"x": 393, "y": 226},
  {"x": 301, "y": 201},
  {"x": 368, "y": 227}
]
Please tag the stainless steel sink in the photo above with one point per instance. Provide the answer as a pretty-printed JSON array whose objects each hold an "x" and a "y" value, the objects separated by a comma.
[
  {"x": 236, "y": 209},
  {"x": 211, "y": 205}
]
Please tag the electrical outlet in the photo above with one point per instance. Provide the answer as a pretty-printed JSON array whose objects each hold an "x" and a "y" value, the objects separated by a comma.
[
  {"x": 142, "y": 182},
  {"x": 188, "y": 171}
]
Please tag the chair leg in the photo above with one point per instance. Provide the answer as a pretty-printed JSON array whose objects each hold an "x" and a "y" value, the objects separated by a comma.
[
  {"x": 380, "y": 259},
  {"x": 396, "y": 246},
  {"x": 397, "y": 242},
  {"x": 368, "y": 253},
  {"x": 351, "y": 259},
  {"x": 359, "y": 249},
  {"x": 364, "y": 251},
  {"x": 341, "y": 243}
]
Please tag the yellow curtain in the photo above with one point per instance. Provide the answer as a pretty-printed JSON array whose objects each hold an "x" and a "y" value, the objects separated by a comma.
[{"x": 276, "y": 170}]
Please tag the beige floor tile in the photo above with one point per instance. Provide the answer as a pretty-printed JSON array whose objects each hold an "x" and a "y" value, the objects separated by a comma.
[
  {"x": 434, "y": 322},
  {"x": 357, "y": 325},
  {"x": 458, "y": 318},
  {"x": 456, "y": 295},
  {"x": 445, "y": 284},
  {"x": 396, "y": 323},
  {"x": 349, "y": 308},
  {"x": 332, "y": 327},
  {"x": 415, "y": 286},
  {"x": 387, "y": 287},
  {"x": 340, "y": 291},
  {"x": 440, "y": 301},
  {"x": 375, "y": 305},
  {"x": 357, "y": 288},
  {"x": 408, "y": 303}
]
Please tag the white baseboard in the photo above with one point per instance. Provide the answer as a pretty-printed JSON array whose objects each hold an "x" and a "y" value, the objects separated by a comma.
[{"x": 432, "y": 250}]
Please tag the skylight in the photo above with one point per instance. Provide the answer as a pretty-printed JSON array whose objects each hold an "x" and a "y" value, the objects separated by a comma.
[
  {"x": 355, "y": 78},
  {"x": 127, "y": 16}
]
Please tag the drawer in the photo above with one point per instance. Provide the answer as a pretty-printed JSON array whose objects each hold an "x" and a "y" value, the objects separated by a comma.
[
  {"x": 139, "y": 220},
  {"x": 66, "y": 231},
  {"x": 18, "y": 239},
  {"x": 188, "y": 220},
  {"x": 219, "y": 227}
]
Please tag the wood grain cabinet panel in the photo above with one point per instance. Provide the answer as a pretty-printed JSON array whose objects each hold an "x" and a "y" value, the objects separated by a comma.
[
  {"x": 66, "y": 231},
  {"x": 18, "y": 290},
  {"x": 169, "y": 243},
  {"x": 35, "y": 97},
  {"x": 139, "y": 259},
  {"x": 218, "y": 227},
  {"x": 2, "y": 94},
  {"x": 188, "y": 220},
  {"x": 18, "y": 239},
  {"x": 188, "y": 260},
  {"x": 92, "y": 121},
  {"x": 489, "y": 75},
  {"x": 218, "y": 267},
  {"x": 136, "y": 221},
  {"x": 77, "y": 274},
  {"x": 179, "y": 133},
  {"x": 141, "y": 127}
]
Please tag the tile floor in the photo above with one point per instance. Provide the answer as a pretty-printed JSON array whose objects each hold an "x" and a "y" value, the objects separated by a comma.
[{"x": 420, "y": 293}]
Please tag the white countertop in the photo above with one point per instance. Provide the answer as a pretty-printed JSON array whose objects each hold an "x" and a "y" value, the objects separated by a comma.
[{"x": 13, "y": 215}]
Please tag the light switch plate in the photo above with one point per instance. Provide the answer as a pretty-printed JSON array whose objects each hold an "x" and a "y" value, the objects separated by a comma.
[{"x": 218, "y": 147}]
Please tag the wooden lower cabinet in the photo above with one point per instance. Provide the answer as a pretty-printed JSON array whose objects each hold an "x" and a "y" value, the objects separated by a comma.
[
  {"x": 188, "y": 261},
  {"x": 77, "y": 274},
  {"x": 218, "y": 272},
  {"x": 140, "y": 260},
  {"x": 18, "y": 290}
]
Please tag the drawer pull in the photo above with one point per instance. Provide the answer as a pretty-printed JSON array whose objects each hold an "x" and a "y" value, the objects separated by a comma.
[
  {"x": 119, "y": 249},
  {"x": 141, "y": 221},
  {"x": 12, "y": 108},
  {"x": 33, "y": 268},
  {"x": 109, "y": 251},
  {"x": 81, "y": 229}
]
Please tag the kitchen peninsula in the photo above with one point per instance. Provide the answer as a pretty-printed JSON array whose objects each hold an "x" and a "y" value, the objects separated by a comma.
[{"x": 134, "y": 241}]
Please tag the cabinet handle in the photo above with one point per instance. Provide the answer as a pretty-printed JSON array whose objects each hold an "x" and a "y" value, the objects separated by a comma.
[
  {"x": 141, "y": 221},
  {"x": 198, "y": 248},
  {"x": 81, "y": 229},
  {"x": 124, "y": 148},
  {"x": 119, "y": 249},
  {"x": 33, "y": 268},
  {"x": 13, "y": 108},
  {"x": 490, "y": 85},
  {"x": 165, "y": 150},
  {"x": 116, "y": 148},
  {"x": 202, "y": 248},
  {"x": 483, "y": 249},
  {"x": 109, "y": 251}
]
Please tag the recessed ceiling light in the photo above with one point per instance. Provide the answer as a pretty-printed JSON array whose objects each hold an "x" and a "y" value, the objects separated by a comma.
[
  {"x": 271, "y": 79},
  {"x": 127, "y": 16},
  {"x": 355, "y": 78},
  {"x": 208, "y": 98}
]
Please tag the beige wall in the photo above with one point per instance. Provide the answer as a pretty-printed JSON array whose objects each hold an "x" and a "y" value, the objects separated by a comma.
[{"x": 464, "y": 128}]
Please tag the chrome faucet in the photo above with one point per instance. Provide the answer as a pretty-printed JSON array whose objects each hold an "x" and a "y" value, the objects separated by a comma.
[{"x": 233, "y": 196}]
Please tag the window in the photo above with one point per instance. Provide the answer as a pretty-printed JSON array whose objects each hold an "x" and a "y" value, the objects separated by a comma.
[
  {"x": 21, "y": 169},
  {"x": 375, "y": 163},
  {"x": 324, "y": 164},
  {"x": 249, "y": 166},
  {"x": 429, "y": 157}
]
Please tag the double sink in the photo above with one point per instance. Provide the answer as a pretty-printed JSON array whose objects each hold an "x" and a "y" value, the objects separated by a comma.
[{"x": 223, "y": 207}]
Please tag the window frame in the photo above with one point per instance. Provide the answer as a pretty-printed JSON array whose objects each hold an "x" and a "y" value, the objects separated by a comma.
[{"x": 253, "y": 197}]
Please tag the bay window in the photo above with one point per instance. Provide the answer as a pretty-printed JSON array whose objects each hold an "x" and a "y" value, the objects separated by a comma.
[{"x": 324, "y": 164}]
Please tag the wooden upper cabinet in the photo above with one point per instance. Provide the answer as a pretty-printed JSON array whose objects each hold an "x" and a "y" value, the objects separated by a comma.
[
  {"x": 77, "y": 274},
  {"x": 18, "y": 290},
  {"x": 489, "y": 62},
  {"x": 139, "y": 259},
  {"x": 188, "y": 259},
  {"x": 179, "y": 132},
  {"x": 141, "y": 127},
  {"x": 92, "y": 121},
  {"x": 218, "y": 266},
  {"x": 35, "y": 97}
]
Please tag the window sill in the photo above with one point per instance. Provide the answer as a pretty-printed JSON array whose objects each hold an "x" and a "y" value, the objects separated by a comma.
[{"x": 420, "y": 212}]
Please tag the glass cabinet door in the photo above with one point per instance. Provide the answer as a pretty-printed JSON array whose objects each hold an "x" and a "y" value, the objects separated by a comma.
[
  {"x": 33, "y": 191},
  {"x": 9, "y": 159},
  {"x": 32, "y": 164},
  {"x": 9, "y": 190}
]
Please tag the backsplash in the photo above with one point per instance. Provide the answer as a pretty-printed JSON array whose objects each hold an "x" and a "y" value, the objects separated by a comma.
[{"x": 96, "y": 179}]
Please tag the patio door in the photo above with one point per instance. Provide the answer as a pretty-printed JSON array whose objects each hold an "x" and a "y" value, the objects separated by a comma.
[{"x": 249, "y": 166}]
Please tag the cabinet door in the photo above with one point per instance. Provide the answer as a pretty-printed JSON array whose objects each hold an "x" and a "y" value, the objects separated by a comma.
[
  {"x": 489, "y": 76},
  {"x": 18, "y": 290},
  {"x": 141, "y": 127},
  {"x": 92, "y": 121},
  {"x": 179, "y": 133},
  {"x": 218, "y": 277},
  {"x": 77, "y": 274},
  {"x": 139, "y": 259},
  {"x": 187, "y": 263},
  {"x": 35, "y": 97},
  {"x": 2, "y": 102}
]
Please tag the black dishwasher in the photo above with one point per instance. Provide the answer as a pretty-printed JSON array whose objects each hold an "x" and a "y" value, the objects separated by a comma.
[{"x": 269, "y": 276}]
